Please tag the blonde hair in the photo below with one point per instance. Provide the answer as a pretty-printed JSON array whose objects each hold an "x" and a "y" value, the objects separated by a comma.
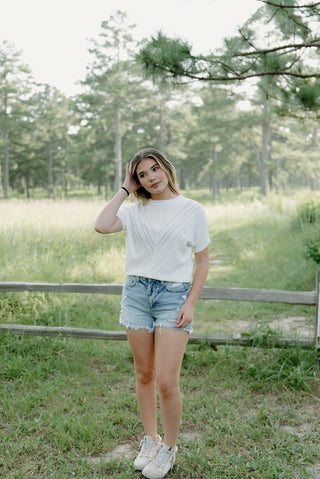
[{"x": 142, "y": 194}]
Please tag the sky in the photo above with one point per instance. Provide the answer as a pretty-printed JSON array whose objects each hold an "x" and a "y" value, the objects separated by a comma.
[{"x": 53, "y": 34}]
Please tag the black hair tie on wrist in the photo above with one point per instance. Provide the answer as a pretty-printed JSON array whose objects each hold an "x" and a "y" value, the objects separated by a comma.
[{"x": 125, "y": 189}]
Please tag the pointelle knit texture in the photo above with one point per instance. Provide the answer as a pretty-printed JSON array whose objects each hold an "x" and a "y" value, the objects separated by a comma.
[{"x": 161, "y": 237}]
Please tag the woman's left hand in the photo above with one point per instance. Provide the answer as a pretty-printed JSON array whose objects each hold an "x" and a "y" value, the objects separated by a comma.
[{"x": 185, "y": 315}]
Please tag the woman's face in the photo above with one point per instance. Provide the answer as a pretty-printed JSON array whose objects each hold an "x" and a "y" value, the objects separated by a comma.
[{"x": 153, "y": 179}]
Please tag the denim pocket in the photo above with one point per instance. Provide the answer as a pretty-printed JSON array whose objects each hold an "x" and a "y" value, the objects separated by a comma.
[
  {"x": 176, "y": 287},
  {"x": 131, "y": 281}
]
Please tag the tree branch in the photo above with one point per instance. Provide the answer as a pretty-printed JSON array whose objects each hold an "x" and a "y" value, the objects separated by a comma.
[
  {"x": 280, "y": 5},
  {"x": 315, "y": 43},
  {"x": 241, "y": 59},
  {"x": 227, "y": 78}
]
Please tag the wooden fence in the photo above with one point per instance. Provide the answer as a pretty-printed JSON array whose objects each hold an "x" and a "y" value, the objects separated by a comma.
[{"x": 309, "y": 298}]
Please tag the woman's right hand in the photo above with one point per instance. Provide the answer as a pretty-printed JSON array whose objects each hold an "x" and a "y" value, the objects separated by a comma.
[
  {"x": 108, "y": 221},
  {"x": 129, "y": 182}
]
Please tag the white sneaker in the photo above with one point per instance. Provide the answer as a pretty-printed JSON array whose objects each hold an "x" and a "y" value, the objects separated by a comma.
[
  {"x": 148, "y": 451},
  {"x": 162, "y": 463}
]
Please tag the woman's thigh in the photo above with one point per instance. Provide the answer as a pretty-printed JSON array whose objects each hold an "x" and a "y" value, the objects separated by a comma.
[
  {"x": 143, "y": 349},
  {"x": 170, "y": 345}
]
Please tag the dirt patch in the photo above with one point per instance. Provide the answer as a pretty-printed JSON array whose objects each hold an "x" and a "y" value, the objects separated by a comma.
[
  {"x": 189, "y": 436},
  {"x": 299, "y": 431},
  {"x": 314, "y": 470},
  {"x": 129, "y": 451},
  {"x": 293, "y": 326},
  {"x": 122, "y": 451}
]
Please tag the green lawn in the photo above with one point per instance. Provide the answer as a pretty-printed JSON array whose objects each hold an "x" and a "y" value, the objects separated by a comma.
[{"x": 252, "y": 412}]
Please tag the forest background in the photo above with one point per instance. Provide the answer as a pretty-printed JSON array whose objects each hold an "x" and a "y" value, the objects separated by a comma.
[
  {"x": 241, "y": 126},
  {"x": 253, "y": 127}
]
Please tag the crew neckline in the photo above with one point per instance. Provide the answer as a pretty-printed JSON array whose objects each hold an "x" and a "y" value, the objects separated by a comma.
[{"x": 165, "y": 201}]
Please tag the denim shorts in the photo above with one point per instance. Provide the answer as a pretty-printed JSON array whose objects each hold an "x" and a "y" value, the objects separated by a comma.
[{"x": 150, "y": 303}]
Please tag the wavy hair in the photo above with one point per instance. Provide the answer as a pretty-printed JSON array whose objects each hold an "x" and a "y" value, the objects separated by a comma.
[{"x": 142, "y": 194}]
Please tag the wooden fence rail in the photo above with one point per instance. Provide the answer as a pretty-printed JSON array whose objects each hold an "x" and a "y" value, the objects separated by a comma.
[
  {"x": 232, "y": 294},
  {"x": 309, "y": 298}
]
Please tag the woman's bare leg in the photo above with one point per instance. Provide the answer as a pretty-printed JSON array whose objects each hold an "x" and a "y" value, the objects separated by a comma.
[
  {"x": 169, "y": 349},
  {"x": 142, "y": 346}
]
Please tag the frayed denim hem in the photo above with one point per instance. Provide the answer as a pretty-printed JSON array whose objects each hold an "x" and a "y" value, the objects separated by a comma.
[
  {"x": 135, "y": 327},
  {"x": 130, "y": 325}
]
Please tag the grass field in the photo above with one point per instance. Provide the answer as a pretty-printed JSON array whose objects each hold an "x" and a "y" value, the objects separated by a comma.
[{"x": 66, "y": 403}]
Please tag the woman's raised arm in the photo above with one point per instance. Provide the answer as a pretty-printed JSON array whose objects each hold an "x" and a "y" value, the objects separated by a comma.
[{"x": 107, "y": 220}]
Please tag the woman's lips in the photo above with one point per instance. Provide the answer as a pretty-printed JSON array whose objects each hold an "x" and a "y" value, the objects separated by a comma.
[{"x": 155, "y": 184}]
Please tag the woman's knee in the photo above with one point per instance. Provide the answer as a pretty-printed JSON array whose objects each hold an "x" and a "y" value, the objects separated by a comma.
[
  {"x": 145, "y": 376},
  {"x": 168, "y": 387}
]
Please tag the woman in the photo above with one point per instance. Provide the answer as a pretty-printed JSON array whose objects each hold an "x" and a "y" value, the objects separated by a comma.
[{"x": 166, "y": 240}]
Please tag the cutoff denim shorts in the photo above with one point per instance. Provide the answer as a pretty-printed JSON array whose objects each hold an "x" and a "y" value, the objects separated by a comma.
[{"x": 150, "y": 303}]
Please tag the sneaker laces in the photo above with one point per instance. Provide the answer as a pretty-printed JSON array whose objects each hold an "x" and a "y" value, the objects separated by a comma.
[
  {"x": 145, "y": 447},
  {"x": 163, "y": 456}
]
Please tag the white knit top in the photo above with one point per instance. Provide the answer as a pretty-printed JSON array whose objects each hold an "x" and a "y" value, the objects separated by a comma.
[{"x": 161, "y": 237}]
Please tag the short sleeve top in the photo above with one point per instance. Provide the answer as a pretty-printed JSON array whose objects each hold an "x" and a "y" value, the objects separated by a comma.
[{"x": 161, "y": 237}]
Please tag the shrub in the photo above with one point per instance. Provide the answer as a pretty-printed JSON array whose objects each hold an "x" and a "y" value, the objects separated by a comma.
[
  {"x": 307, "y": 220},
  {"x": 312, "y": 249},
  {"x": 308, "y": 213}
]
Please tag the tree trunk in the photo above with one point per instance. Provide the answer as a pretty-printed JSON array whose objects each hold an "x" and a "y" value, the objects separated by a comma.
[
  {"x": 265, "y": 147},
  {"x": 118, "y": 152},
  {"x": 6, "y": 178},
  {"x": 314, "y": 147},
  {"x": 65, "y": 169},
  {"x": 27, "y": 186},
  {"x": 6, "y": 167},
  {"x": 107, "y": 175},
  {"x": 182, "y": 178},
  {"x": 50, "y": 171},
  {"x": 213, "y": 176},
  {"x": 162, "y": 132},
  {"x": 315, "y": 137}
]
